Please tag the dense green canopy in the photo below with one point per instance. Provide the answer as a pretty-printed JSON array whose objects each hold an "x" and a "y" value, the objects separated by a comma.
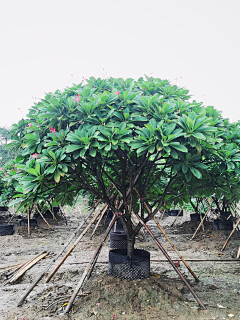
[{"x": 108, "y": 137}]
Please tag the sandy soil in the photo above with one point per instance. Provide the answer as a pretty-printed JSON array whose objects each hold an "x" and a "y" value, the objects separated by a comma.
[{"x": 162, "y": 296}]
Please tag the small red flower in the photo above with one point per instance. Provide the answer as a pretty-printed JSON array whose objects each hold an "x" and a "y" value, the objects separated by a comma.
[
  {"x": 11, "y": 165},
  {"x": 30, "y": 125},
  {"x": 78, "y": 98},
  {"x": 35, "y": 155},
  {"x": 143, "y": 88},
  {"x": 117, "y": 93},
  {"x": 52, "y": 130},
  {"x": 12, "y": 170},
  {"x": 2, "y": 169},
  {"x": 114, "y": 317},
  {"x": 2, "y": 176}
]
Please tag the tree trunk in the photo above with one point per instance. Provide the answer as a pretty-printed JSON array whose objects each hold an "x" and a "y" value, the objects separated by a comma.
[{"x": 130, "y": 246}]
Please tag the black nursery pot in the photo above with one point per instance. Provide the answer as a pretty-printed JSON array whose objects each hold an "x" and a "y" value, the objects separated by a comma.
[
  {"x": 3, "y": 208},
  {"x": 55, "y": 210},
  {"x": 222, "y": 225},
  {"x": 176, "y": 212},
  {"x": 130, "y": 268},
  {"x": 118, "y": 240},
  {"x": 32, "y": 222},
  {"x": 226, "y": 214},
  {"x": 195, "y": 217},
  {"x": 6, "y": 229}
]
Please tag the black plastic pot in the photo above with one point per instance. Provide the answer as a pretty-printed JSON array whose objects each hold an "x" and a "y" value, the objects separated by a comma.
[
  {"x": 195, "y": 217},
  {"x": 222, "y": 225},
  {"x": 175, "y": 213},
  {"x": 3, "y": 209},
  {"x": 47, "y": 215},
  {"x": 226, "y": 214},
  {"x": 6, "y": 229},
  {"x": 129, "y": 268},
  {"x": 32, "y": 222},
  {"x": 55, "y": 210},
  {"x": 118, "y": 240}
]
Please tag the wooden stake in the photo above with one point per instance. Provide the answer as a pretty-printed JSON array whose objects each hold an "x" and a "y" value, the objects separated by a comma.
[
  {"x": 43, "y": 218},
  {"x": 28, "y": 222},
  {"x": 224, "y": 246},
  {"x": 199, "y": 226},
  {"x": 54, "y": 259},
  {"x": 99, "y": 220},
  {"x": 72, "y": 247},
  {"x": 178, "y": 214},
  {"x": 238, "y": 254},
  {"x": 23, "y": 266},
  {"x": 175, "y": 249},
  {"x": 168, "y": 239},
  {"x": 172, "y": 263},
  {"x": 28, "y": 266},
  {"x": 89, "y": 266}
]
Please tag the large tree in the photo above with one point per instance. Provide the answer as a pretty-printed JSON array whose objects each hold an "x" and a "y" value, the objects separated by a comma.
[{"x": 114, "y": 138}]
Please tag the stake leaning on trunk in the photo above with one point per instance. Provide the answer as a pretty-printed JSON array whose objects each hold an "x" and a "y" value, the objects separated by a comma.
[
  {"x": 89, "y": 266},
  {"x": 172, "y": 263},
  {"x": 168, "y": 239},
  {"x": 52, "y": 262},
  {"x": 74, "y": 245}
]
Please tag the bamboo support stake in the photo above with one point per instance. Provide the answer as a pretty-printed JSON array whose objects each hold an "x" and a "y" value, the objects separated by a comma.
[
  {"x": 199, "y": 226},
  {"x": 175, "y": 249},
  {"x": 54, "y": 259},
  {"x": 43, "y": 218},
  {"x": 99, "y": 220},
  {"x": 168, "y": 239},
  {"x": 28, "y": 222},
  {"x": 71, "y": 249},
  {"x": 178, "y": 214},
  {"x": 166, "y": 236},
  {"x": 89, "y": 267},
  {"x": 231, "y": 234},
  {"x": 32, "y": 263},
  {"x": 238, "y": 254},
  {"x": 172, "y": 263},
  {"x": 24, "y": 265}
]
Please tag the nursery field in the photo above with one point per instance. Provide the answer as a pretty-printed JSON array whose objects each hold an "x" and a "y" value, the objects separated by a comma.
[{"x": 162, "y": 296}]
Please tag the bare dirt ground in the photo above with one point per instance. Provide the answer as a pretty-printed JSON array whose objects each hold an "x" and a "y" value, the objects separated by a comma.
[{"x": 162, "y": 296}]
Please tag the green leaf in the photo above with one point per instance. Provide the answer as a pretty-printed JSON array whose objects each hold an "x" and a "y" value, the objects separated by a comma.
[
  {"x": 73, "y": 147},
  {"x": 196, "y": 173},
  {"x": 180, "y": 147},
  {"x": 57, "y": 176},
  {"x": 32, "y": 171},
  {"x": 184, "y": 168},
  {"x": 199, "y": 135}
]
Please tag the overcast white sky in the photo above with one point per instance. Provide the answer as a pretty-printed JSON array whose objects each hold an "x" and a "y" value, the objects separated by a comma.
[{"x": 49, "y": 44}]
